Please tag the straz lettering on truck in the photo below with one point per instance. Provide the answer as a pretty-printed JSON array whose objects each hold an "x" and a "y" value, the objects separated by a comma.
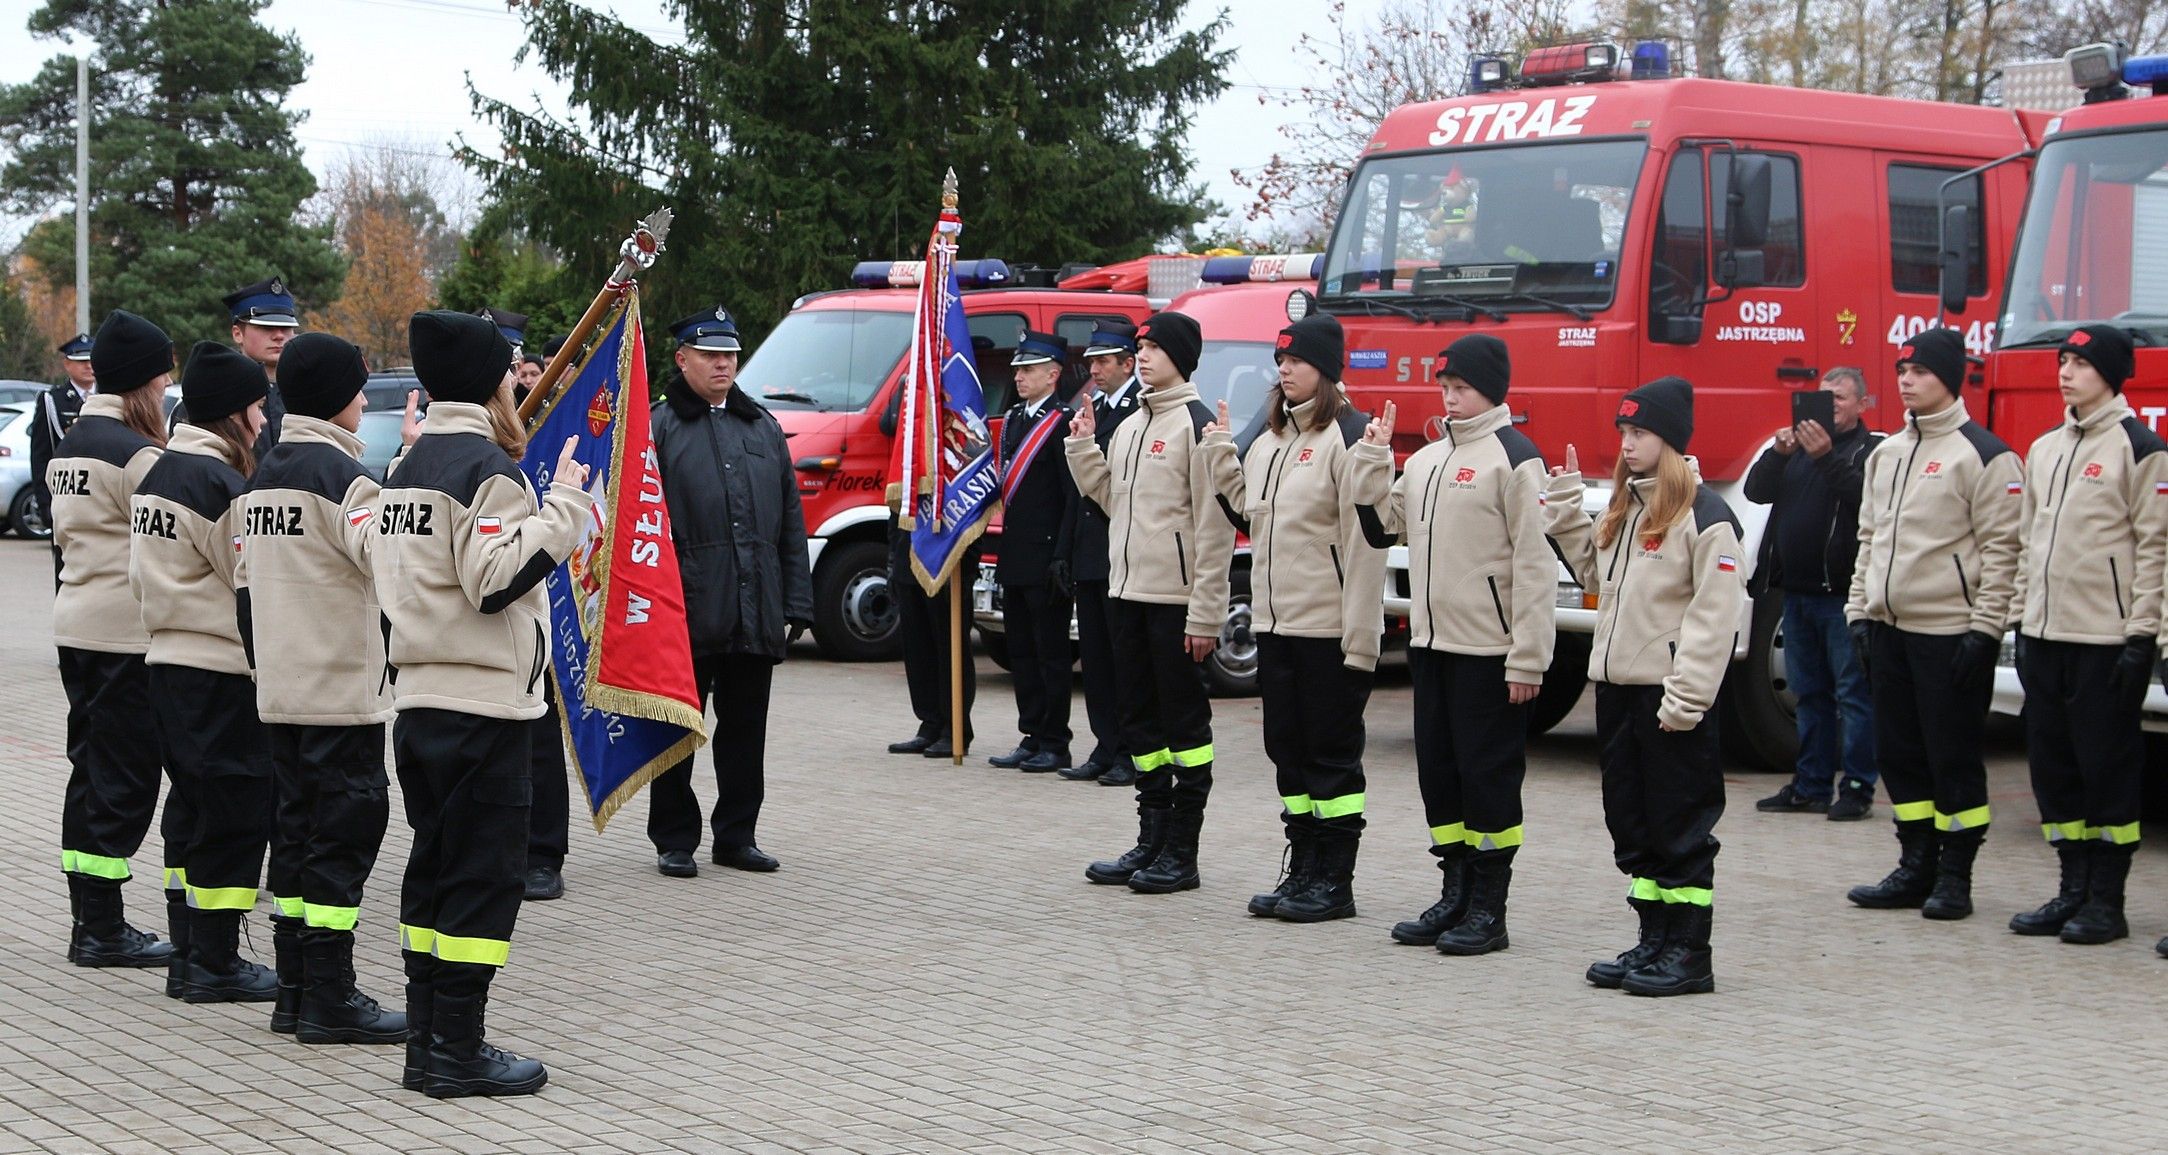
[
  {"x": 1758, "y": 322},
  {"x": 1512, "y": 120}
]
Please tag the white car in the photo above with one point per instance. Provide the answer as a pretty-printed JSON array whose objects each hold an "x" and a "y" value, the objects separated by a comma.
[{"x": 15, "y": 479}]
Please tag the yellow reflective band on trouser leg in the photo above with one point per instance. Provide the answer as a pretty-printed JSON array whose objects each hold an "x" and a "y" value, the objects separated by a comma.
[
  {"x": 2123, "y": 835},
  {"x": 1448, "y": 835},
  {"x": 222, "y": 897},
  {"x": 486, "y": 951},
  {"x": 1494, "y": 839},
  {"x": 1340, "y": 807},
  {"x": 2064, "y": 831},
  {"x": 330, "y": 917},
  {"x": 1157, "y": 759},
  {"x": 1297, "y": 804},
  {"x": 1971, "y": 819},
  {"x": 95, "y": 865},
  {"x": 1195, "y": 756},
  {"x": 1689, "y": 895},
  {"x": 289, "y": 907},
  {"x": 1912, "y": 811},
  {"x": 176, "y": 878},
  {"x": 418, "y": 939},
  {"x": 1645, "y": 889}
]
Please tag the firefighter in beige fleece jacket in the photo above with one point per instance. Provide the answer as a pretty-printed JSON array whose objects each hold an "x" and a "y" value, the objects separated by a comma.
[
  {"x": 1665, "y": 562},
  {"x": 1931, "y": 596},
  {"x": 1170, "y": 542},
  {"x": 1317, "y": 587}
]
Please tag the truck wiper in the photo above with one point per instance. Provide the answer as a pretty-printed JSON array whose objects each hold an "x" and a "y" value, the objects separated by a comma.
[
  {"x": 1579, "y": 313},
  {"x": 1372, "y": 305},
  {"x": 1473, "y": 308},
  {"x": 791, "y": 395}
]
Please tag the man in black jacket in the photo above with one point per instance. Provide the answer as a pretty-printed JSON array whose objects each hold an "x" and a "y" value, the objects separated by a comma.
[
  {"x": 1038, "y": 510},
  {"x": 740, "y": 537},
  {"x": 1812, "y": 478},
  {"x": 1111, "y": 357},
  {"x": 55, "y": 412}
]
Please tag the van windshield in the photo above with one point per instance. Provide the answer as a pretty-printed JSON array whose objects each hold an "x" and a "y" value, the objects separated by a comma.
[
  {"x": 2098, "y": 210},
  {"x": 1498, "y": 226},
  {"x": 827, "y": 359}
]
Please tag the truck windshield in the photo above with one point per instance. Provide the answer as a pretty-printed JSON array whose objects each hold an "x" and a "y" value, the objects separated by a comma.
[
  {"x": 1523, "y": 226},
  {"x": 2096, "y": 226},
  {"x": 1239, "y": 372},
  {"x": 827, "y": 359}
]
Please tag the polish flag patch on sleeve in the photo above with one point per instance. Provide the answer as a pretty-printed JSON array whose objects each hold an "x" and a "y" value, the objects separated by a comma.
[
  {"x": 1725, "y": 563},
  {"x": 2014, "y": 488},
  {"x": 356, "y": 517},
  {"x": 488, "y": 526},
  {"x": 2160, "y": 489},
  {"x": 237, "y": 543}
]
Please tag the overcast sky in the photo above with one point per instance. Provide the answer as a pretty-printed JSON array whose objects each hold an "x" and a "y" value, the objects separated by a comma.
[{"x": 392, "y": 73}]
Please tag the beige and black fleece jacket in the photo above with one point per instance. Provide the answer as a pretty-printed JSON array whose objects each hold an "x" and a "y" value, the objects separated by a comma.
[
  {"x": 459, "y": 561},
  {"x": 1170, "y": 541},
  {"x": 1482, "y": 577},
  {"x": 1313, "y": 570},
  {"x": 1668, "y": 605},
  {"x": 94, "y": 471},
  {"x": 185, "y": 560},
  {"x": 309, "y": 518},
  {"x": 1938, "y": 529},
  {"x": 2094, "y": 530}
]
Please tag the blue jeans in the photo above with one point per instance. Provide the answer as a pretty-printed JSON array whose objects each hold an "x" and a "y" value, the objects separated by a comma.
[{"x": 1834, "y": 709}]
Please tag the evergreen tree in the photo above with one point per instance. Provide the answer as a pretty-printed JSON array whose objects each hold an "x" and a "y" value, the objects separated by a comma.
[
  {"x": 794, "y": 137},
  {"x": 25, "y": 354},
  {"x": 196, "y": 182}
]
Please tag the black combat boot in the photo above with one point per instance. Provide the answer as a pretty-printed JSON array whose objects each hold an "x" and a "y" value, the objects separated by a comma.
[
  {"x": 1176, "y": 867},
  {"x": 1610, "y": 972},
  {"x": 1297, "y": 870},
  {"x": 104, "y": 938},
  {"x": 1151, "y": 838},
  {"x": 2101, "y": 918},
  {"x": 1452, "y": 904},
  {"x": 333, "y": 1010},
  {"x": 177, "y": 923},
  {"x": 461, "y": 1063},
  {"x": 216, "y": 971},
  {"x": 286, "y": 965},
  {"x": 1331, "y": 893},
  {"x": 421, "y": 974},
  {"x": 1482, "y": 929},
  {"x": 1914, "y": 879},
  {"x": 2052, "y": 914},
  {"x": 1952, "y": 897},
  {"x": 1684, "y": 965}
]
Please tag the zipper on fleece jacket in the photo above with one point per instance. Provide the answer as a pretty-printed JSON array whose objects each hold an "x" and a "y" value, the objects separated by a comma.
[
  {"x": 1897, "y": 510},
  {"x": 2055, "y": 525},
  {"x": 1625, "y": 547}
]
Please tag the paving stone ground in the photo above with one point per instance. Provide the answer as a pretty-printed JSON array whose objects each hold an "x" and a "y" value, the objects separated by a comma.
[{"x": 930, "y": 973}]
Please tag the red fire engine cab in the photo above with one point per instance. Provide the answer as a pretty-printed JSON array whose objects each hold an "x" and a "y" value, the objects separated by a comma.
[
  {"x": 1613, "y": 224},
  {"x": 831, "y": 373}
]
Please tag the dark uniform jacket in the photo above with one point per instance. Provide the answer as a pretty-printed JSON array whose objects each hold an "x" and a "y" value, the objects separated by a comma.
[
  {"x": 1038, "y": 512},
  {"x": 1813, "y": 534},
  {"x": 1088, "y": 537},
  {"x": 736, "y": 521},
  {"x": 49, "y": 421}
]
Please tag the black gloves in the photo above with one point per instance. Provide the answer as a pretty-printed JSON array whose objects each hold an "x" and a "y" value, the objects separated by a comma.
[
  {"x": 1057, "y": 578},
  {"x": 1860, "y": 631},
  {"x": 1975, "y": 660},
  {"x": 2133, "y": 668}
]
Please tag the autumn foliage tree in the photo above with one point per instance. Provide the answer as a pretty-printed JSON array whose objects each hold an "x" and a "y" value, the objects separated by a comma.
[{"x": 387, "y": 209}]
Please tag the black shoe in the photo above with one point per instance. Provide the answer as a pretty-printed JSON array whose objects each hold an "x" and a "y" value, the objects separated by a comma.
[
  {"x": 103, "y": 938},
  {"x": 746, "y": 857},
  {"x": 461, "y": 1064},
  {"x": 2048, "y": 918},
  {"x": 1331, "y": 893},
  {"x": 941, "y": 748},
  {"x": 2161, "y": 948},
  {"x": 1483, "y": 928},
  {"x": 1790, "y": 801},
  {"x": 1012, "y": 759},
  {"x": 1085, "y": 772},
  {"x": 1424, "y": 929},
  {"x": 1151, "y": 836},
  {"x": 2101, "y": 918},
  {"x": 420, "y": 1014},
  {"x": 1684, "y": 967},
  {"x": 1609, "y": 973},
  {"x": 1297, "y": 866},
  {"x": 915, "y": 744},
  {"x": 1855, "y": 800},
  {"x": 1044, "y": 761},
  {"x": 1952, "y": 896},
  {"x": 544, "y": 883},
  {"x": 333, "y": 1009},
  {"x": 177, "y": 914},
  {"x": 1122, "y": 773},
  {"x": 1176, "y": 867},
  {"x": 676, "y": 864},
  {"x": 287, "y": 965},
  {"x": 216, "y": 971},
  {"x": 1908, "y": 886}
]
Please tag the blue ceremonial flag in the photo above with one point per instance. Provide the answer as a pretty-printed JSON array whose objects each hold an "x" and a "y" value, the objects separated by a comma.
[{"x": 950, "y": 482}]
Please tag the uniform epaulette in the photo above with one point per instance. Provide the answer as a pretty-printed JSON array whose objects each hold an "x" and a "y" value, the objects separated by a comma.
[
  {"x": 2144, "y": 442},
  {"x": 1518, "y": 446}
]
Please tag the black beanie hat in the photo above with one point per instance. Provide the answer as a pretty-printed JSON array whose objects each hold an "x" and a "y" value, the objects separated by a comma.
[
  {"x": 2104, "y": 347},
  {"x": 1482, "y": 361},
  {"x": 319, "y": 374},
  {"x": 220, "y": 382},
  {"x": 1319, "y": 340},
  {"x": 1664, "y": 407},
  {"x": 1177, "y": 336},
  {"x": 1939, "y": 351},
  {"x": 458, "y": 356},
  {"x": 128, "y": 352}
]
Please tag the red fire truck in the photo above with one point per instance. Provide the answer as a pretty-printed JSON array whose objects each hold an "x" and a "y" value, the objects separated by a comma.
[
  {"x": 1613, "y": 224},
  {"x": 831, "y": 371}
]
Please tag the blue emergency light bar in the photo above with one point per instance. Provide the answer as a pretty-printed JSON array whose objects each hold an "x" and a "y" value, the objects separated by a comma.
[
  {"x": 1651, "y": 60},
  {"x": 2146, "y": 72},
  {"x": 1276, "y": 267},
  {"x": 984, "y": 273}
]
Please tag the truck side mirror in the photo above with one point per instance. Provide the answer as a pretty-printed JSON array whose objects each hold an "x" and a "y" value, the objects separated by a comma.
[
  {"x": 1746, "y": 216},
  {"x": 1956, "y": 257},
  {"x": 1675, "y": 328}
]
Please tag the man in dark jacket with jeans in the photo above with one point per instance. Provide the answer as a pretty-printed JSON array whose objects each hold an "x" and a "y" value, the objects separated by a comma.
[
  {"x": 1812, "y": 477},
  {"x": 740, "y": 537}
]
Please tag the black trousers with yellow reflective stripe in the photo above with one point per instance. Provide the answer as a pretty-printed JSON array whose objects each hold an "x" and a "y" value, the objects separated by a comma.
[
  {"x": 1166, "y": 710},
  {"x": 1471, "y": 748},
  {"x": 1663, "y": 791},
  {"x": 1928, "y": 729},
  {"x": 214, "y": 748},
  {"x": 2084, "y": 742},
  {"x": 334, "y": 802},
  {"x": 467, "y": 788},
  {"x": 1313, "y": 706},
  {"x": 112, "y": 790}
]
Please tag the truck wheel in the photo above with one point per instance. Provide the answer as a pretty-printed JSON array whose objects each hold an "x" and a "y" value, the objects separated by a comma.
[
  {"x": 1758, "y": 724},
  {"x": 996, "y": 645},
  {"x": 23, "y": 517},
  {"x": 1563, "y": 684},
  {"x": 854, "y": 612},
  {"x": 1231, "y": 671}
]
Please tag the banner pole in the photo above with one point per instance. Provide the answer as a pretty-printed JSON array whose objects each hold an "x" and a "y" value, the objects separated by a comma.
[
  {"x": 635, "y": 256},
  {"x": 956, "y": 667}
]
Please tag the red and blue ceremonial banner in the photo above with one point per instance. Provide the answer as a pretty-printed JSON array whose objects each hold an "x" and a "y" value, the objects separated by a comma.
[
  {"x": 950, "y": 482},
  {"x": 620, "y": 656}
]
